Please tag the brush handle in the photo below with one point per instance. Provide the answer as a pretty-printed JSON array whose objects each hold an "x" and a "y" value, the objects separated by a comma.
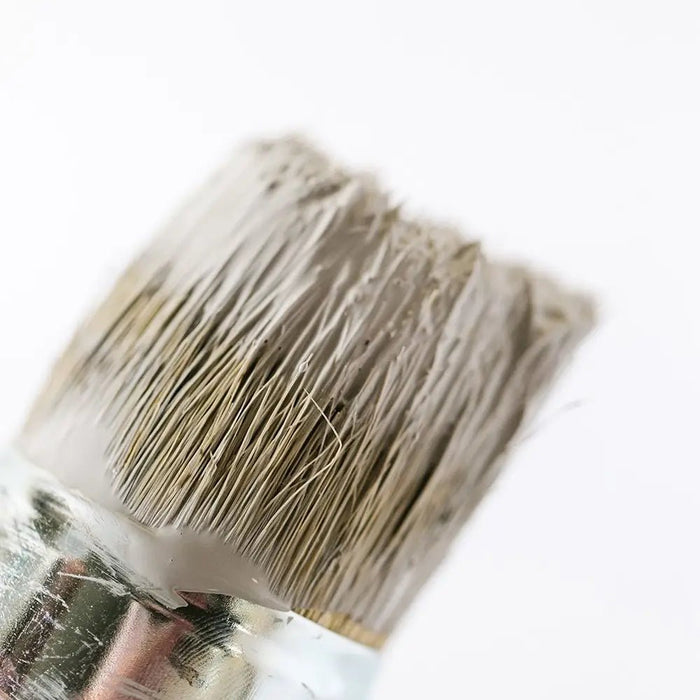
[{"x": 76, "y": 623}]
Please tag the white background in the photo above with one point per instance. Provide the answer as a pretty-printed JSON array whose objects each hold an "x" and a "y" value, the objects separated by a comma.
[{"x": 565, "y": 133}]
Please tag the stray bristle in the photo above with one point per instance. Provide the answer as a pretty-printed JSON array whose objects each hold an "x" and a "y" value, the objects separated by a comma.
[{"x": 296, "y": 367}]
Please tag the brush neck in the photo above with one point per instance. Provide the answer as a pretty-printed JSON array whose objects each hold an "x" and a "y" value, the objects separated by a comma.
[{"x": 77, "y": 622}]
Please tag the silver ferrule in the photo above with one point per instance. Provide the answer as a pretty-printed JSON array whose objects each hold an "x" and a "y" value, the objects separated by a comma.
[{"x": 77, "y": 621}]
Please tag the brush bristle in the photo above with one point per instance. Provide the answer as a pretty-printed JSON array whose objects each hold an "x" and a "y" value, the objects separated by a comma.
[{"x": 296, "y": 367}]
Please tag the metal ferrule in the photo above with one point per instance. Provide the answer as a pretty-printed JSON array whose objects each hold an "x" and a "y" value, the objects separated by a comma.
[{"x": 78, "y": 622}]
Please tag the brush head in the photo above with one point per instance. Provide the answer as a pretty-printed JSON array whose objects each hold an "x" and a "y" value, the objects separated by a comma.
[{"x": 296, "y": 367}]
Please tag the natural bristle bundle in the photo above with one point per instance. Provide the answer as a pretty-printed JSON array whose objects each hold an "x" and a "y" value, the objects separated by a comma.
[{"x": 296, "y": 367}]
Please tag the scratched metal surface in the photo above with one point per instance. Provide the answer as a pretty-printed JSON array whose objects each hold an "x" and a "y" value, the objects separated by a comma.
[{"x": 76, "y": 623}]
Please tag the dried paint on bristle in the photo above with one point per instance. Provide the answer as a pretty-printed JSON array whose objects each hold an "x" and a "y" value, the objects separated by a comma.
[{"x": 296, "y": 367}]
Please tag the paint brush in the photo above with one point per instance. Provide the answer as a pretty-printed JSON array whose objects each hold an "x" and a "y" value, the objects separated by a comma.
[{"x": 262, "y": 442}]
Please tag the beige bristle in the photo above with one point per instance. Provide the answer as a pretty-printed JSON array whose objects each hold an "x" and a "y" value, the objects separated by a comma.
[{"x": 295, "y": 366}]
